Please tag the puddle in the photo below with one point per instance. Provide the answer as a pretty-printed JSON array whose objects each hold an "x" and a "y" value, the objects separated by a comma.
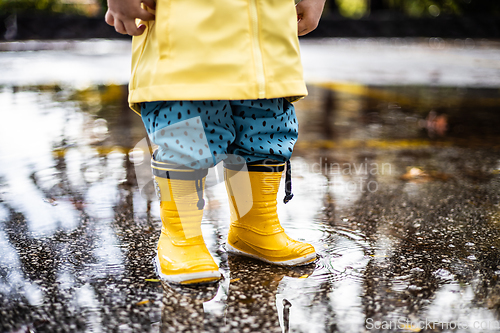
[{"x": 396, "y": 187}]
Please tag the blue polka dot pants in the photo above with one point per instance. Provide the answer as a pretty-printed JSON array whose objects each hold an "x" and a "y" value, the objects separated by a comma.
[{"x": 200, "y": 134}]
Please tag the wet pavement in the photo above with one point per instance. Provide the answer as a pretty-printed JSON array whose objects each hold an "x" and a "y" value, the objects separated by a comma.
[{"x": 396, "y": 185}]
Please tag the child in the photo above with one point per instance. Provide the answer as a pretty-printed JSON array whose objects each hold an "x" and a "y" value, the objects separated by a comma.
[{"x": 214, "y": 81}]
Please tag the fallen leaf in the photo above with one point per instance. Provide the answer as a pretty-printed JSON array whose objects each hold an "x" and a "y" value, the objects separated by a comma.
[
  {"x": 152, "y": 280},
  {"x": 415, "y": 174}
]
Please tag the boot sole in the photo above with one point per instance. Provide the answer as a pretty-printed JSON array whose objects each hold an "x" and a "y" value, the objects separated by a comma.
[
  {"x": 292, "y": 262},
  {"x": 187, "y": 278}
]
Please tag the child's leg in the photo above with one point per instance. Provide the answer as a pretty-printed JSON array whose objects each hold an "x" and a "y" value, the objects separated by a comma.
[
  {"x": 191, "y": 136},
  {"x": 182, "y": 255},
  {"x": 267, "y": 131},
  {"x": 195, "y": 134}
]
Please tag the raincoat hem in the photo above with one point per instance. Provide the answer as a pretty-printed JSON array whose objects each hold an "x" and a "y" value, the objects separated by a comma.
[{"x": 200, "y": 92}]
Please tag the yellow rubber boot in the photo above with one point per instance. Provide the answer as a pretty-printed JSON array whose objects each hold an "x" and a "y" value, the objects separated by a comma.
[
  {"x": 182, "y": 257},
  {"x": 255, "y": 230}
]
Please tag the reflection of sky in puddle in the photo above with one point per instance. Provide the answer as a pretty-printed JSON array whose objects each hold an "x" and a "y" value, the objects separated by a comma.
[
  {"x": 30, "y": 139},
  {"x": 13, "y": 284}
]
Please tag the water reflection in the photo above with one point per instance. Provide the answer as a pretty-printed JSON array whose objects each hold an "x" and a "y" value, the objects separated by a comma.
[
  {"x": 77, "y": 237},
  {"x": 183, "y": 308}
]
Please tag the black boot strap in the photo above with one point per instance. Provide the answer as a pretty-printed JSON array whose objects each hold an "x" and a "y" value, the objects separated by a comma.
[
  {"x": 288, "y": 183},
  {"x": 268, "y": 166},
  {"x": 199, "y": 189}
]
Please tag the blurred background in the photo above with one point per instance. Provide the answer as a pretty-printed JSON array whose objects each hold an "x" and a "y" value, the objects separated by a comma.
[{"x": 25, "y": 19}]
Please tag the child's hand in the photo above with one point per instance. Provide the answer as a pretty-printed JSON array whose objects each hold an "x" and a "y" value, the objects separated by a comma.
[
  {"x": 122, "y": 15},
  {"x": 308, "y": 13}
]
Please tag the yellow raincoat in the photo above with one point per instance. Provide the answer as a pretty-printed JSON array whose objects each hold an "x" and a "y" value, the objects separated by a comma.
[{"x": 217, "y": 49}]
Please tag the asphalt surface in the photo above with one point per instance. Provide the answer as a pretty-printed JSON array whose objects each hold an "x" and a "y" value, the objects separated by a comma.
[{"x": 396, "y": 186}]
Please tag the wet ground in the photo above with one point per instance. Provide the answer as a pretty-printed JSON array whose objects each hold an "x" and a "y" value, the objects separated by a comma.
[{"x": 396, "y": 185}]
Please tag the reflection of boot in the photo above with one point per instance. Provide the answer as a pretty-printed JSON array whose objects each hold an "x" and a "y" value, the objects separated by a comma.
[
  {"x": 182, "y": 254},
  {"x": 255, "y": 230},
  {"x": 183, "y": 307},
  {"x": 253, "y": 293}
]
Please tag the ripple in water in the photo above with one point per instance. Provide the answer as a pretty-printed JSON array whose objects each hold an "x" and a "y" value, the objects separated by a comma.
[{"x": 343, "y": 254}]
